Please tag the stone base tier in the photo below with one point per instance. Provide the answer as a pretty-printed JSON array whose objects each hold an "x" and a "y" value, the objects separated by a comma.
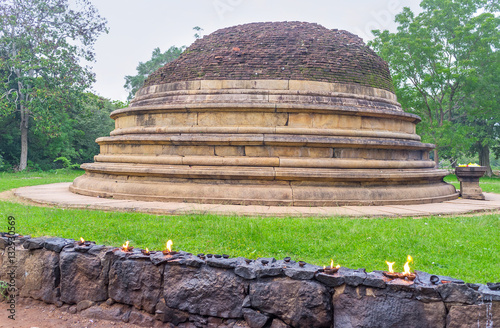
[
  {"x": 263, "y": 185},
  {"x": 265, "y": 142}
]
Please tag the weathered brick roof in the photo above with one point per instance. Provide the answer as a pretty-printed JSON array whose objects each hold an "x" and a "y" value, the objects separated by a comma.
[{"x": 278, "y": 51}]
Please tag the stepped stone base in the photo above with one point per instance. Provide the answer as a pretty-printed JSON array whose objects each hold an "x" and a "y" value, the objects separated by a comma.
[{"x": 265, "y": 142}]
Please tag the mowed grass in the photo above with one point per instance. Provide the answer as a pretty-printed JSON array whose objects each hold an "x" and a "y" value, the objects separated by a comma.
[{"x": 466, "y": 247}]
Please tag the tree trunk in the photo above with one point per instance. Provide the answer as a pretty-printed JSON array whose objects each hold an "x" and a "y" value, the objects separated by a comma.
[
  {"x": 23, "y": 162},
  {"x": 484, "y": 159},
  {"x": 436, "y": 158}
]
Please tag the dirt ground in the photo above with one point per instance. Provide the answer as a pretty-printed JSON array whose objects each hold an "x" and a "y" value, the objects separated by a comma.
[{"x": 36, "y": 314}]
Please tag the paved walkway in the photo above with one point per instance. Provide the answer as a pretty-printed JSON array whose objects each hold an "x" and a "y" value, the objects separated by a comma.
[{"x": 58, "y": 194}]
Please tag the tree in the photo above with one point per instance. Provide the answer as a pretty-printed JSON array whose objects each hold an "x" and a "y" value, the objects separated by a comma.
[
  {"x": 158, "y": 59},
  {"x": 42, "y": 43},
  {"x": 436, "y": 59}
]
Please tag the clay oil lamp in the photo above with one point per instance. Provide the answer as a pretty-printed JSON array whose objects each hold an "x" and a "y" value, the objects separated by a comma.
[
  {"x": 168, "y": 250},
  {"x": 406, "y": 275},
  {"x": 126, "y": 247}
]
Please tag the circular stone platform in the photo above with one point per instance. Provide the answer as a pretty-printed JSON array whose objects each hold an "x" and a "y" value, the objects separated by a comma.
[
  {"x": 268, "y": 114},
  {"x": 58, "y": 194}
]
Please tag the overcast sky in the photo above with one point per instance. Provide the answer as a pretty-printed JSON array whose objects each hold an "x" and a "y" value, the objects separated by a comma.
[{"x": 139, "y": 26}]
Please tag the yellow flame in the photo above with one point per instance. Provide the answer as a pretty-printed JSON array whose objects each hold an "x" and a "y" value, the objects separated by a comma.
[
  {"x": 407, "y": 265},
  {"x": 338, "y": 266},
  {"x": 169, "y": 245},
  {"x": 125, "y": 246},
  {"x": 82, "y": 240},
  {"x": 390, "y": 264},
  {"x": 147, "y": 250},
  {"x": 324, "y": 267},
  {"x": 331, "y": 264}
]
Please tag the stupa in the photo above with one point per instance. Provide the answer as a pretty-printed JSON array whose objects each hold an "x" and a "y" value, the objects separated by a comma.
[{"x": 284, "y": 113}]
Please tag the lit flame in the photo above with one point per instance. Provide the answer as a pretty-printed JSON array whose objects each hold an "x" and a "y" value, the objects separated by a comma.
[
  {"x": 169, "y": 246},
  {"x": 407, "y": 265},
  {"x": 331, "y": 265},
  {"x": 82, "y": 240},
  {"x": 390, "y": 264},
  {"x": 125, "y": 246},
  {"x": 147, "y": 250}
]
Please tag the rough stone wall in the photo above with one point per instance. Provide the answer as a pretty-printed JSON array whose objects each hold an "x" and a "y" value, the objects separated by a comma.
[
  {"x": 278, "y": 51},
  {"x": 183, "y": 290}
]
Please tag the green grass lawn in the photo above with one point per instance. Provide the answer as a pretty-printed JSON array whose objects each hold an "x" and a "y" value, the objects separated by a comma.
[{"x": 465, "y": 247}]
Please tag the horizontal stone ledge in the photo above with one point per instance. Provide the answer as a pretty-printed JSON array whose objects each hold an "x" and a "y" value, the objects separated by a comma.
[
  {"x": 264, "y": 130},
  {"x": 252, "y": 192},
  {"x": 278, "y": 85},
  {"x": 199, "y": 166},
  {"x": 265, "y": 107},
  {"x": 300, "y": 96},
  {"x": 194, "y": 139}
]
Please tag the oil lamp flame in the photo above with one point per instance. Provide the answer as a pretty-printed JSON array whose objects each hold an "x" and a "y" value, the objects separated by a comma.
[
  {"x": 147, "y": 250},
  {"x": 125, "y": 246},
  {"x": 82, "y": 240},
  {"x": 169, "y": 246},
  {"x": 407, "y": 265},
  {"x": 334, "y": 267},
  {"x": 390, "y": 264}
]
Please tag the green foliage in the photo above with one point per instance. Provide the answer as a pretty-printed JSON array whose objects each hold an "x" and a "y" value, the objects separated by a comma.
[
  {"x": 158, "y": 59},
  {"x": 445, "y": 66},
  {"x": 3, "y": 288},
  {"x": 82, "y": 124},
  {"x": 42, "y": 45},
  {"x": 66, "y": 163}
]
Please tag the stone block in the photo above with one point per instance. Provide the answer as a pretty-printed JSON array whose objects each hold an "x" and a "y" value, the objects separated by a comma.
[
  {"x": 242, "y": 119},
  {"x": 37, "y": 274},
  {"x": 255, "y": 319},
  {"x": 176, "y": 119},
  {"x": 188, "y": 150},
  {"x": 280, "y": 151},
  {"x": 140, "y": 318},
  {"x": 457, "y": 293},
  {"x": 485, "y": 315},
  {"x": 204, "y": 291},
  {"x": 57, "y": 244},
  {"x": 310, "y": 86},
  {"x": 300, "y": 120},
  {"x": 299, "y": 303},
  {"x": 135, "y": 282},
  {"x": 123, "y": 122},
  {"x": 84, "y": 275},
  {"x": 166, "y": 314},
  {"x": 115, "y": 312},
  {"x": 229, "y": 151},
  {"x": 358, "y": 307}
]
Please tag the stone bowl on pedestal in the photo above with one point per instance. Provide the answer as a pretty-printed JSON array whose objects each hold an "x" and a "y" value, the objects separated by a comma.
[{"x": 469, "y": 181}]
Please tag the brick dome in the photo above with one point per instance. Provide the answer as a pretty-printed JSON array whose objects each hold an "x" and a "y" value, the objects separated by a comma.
[{"x": 278, "y": 51}]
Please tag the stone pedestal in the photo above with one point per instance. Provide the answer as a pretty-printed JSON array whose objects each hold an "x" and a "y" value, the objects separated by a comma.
[{"x": 469, "y": 181}]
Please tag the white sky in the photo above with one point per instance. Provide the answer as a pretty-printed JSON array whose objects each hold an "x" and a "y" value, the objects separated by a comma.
[{"x": 137, "y": 27}]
